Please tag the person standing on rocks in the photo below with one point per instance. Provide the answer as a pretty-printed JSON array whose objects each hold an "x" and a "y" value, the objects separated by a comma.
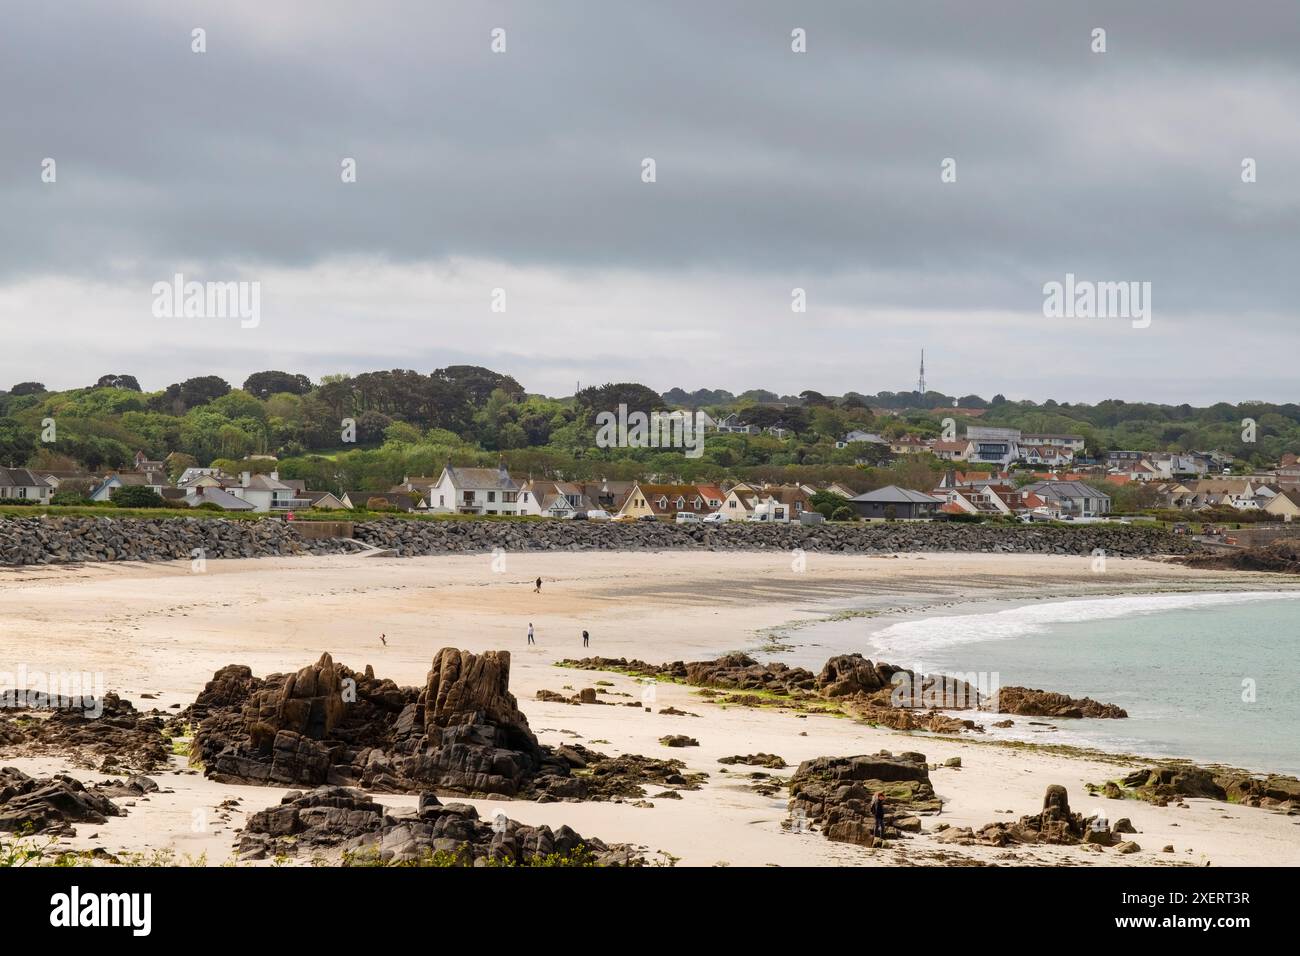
[
  {"x": 530, "y": 633},
  {"x": 585, "y": 640},
  {"x": 537, "y": 587},
  {"x": 878, "y": 811}
]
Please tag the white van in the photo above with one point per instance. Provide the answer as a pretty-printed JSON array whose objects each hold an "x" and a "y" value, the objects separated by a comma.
[
  {"x": 598, "y": 514},
  {"x": 687, "y": 517}
]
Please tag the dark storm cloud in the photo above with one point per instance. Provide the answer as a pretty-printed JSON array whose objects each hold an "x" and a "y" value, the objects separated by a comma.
[{"x": 819, "y": 166}]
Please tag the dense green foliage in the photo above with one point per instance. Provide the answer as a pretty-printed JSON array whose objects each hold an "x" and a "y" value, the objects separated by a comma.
[{"x": 403, "y": 422}]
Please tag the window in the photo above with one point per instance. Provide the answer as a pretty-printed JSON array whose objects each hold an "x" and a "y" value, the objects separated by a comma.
[
  {"x": 510, "y": 497},
  {"x": 442, "y": 501},
  {"x": 467, "y": 497},
  {"x": 492, "y": 496}
]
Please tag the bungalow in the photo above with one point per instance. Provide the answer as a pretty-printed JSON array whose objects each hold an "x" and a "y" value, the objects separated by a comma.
[
  {"x": 475, "y": 491},
  {"x": 895, "y": 502},
  {"x": 22, "y": 484},
  {"x": 155, "y": 481},
  {"x": 907, "y": 445},
  {"x": 949, "y": 450},
  {"x": 1070, "y": 499},
  {"x": 206, "y": 495}
]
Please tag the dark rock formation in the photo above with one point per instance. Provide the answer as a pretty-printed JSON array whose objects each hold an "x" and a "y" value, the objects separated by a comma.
[
  {"x": 878, "y": 693},
  {"x": 1026, "y": 702},
  {"x": 461, "y": 733},
  {"x": 834, "y": 793},
  {"x": 771, "y": 761},
  {"x": 121, "y": 738},
  {"x": 1055, "y": 824},
  {"x": 1173, "y": 782},
  {"x": 49, "y": 804},
  {"x": 1282, "y": 556},
  {"x": 347, "y": 821}
]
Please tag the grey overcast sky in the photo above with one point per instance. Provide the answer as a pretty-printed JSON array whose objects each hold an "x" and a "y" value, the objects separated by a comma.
[{"x": 522, "y": 170}]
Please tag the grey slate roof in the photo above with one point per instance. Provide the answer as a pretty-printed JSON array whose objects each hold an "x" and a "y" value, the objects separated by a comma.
[{"x": 892, "y": 494}]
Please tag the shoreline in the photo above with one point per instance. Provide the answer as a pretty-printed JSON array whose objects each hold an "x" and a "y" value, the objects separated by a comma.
[{"x": 158, "y": 629}]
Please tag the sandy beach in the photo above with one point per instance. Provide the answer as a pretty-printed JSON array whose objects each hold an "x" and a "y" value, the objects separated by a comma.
[{"x": 163, "y": 629}]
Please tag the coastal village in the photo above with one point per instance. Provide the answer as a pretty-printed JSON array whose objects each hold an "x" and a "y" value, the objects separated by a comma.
[{"x": 990, "y": 472}]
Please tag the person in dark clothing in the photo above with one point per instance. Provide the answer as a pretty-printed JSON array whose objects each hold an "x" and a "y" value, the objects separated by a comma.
[
  {"x": 585, "y": 639},
  {"x": 878, "y": 811},
  {"x": 384, "y": 638},
  {"x": 537, "y": 588}
]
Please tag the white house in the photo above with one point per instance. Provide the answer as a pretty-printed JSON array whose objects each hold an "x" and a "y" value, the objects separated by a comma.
[
  {"x": 23, "y": 485},
  {"x": 553, "y": 499},
  {"x": 475, "y": 491},
  {"x": 267, "y": 493}
]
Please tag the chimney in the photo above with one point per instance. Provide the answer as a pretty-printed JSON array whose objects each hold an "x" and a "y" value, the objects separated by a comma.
[
  {"x": 275, "y": 476},
  {"x": 245, "y": 478}
]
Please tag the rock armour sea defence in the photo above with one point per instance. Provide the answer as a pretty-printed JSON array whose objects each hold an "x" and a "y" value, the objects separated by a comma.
[{"x": 61, "y": 540}]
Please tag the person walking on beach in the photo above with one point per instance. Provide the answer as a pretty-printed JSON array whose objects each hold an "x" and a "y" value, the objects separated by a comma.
[
  {"x": 585, "y": 639},
  {"x": 537, "y": 587},
  {"x": 530, "y": 633},
  {"x": 878, "y": 811},
  {"x": 383, "y": 639}
]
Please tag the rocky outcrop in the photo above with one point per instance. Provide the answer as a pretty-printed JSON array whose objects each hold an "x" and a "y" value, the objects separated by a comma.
[
  {"x": 1026, "y": 702},
  {"x": 834, "y": 794},
  {"x": 170, "y": 536},
  {"x": 1174, "y": 783},
  {"x": 347, "y": 822},
  {"x": 121, "y": 738},
  {"x": 1271, "y": 792},
  {"x": 462, "y": 732},
  {"x": 49, "y": 804},
  {"x": 878, "y": 693},
  {"x": 771, "y": 761},
  {"x": 1056, "y": 824},
  {"x": 1282, "y": 556}
]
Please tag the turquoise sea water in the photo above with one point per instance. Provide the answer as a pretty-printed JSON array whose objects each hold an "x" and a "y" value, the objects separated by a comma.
[{"x": 1183, "y": 665}]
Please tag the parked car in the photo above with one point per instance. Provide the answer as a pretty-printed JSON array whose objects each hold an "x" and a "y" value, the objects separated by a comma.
[
  {"x": 578, "y": 516},
  {"x": 647, "y": 518},
  {"x": 687, "y": 517},
  {"x": 716, "y": 517},
  {"x": 598, "y": 514}
]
